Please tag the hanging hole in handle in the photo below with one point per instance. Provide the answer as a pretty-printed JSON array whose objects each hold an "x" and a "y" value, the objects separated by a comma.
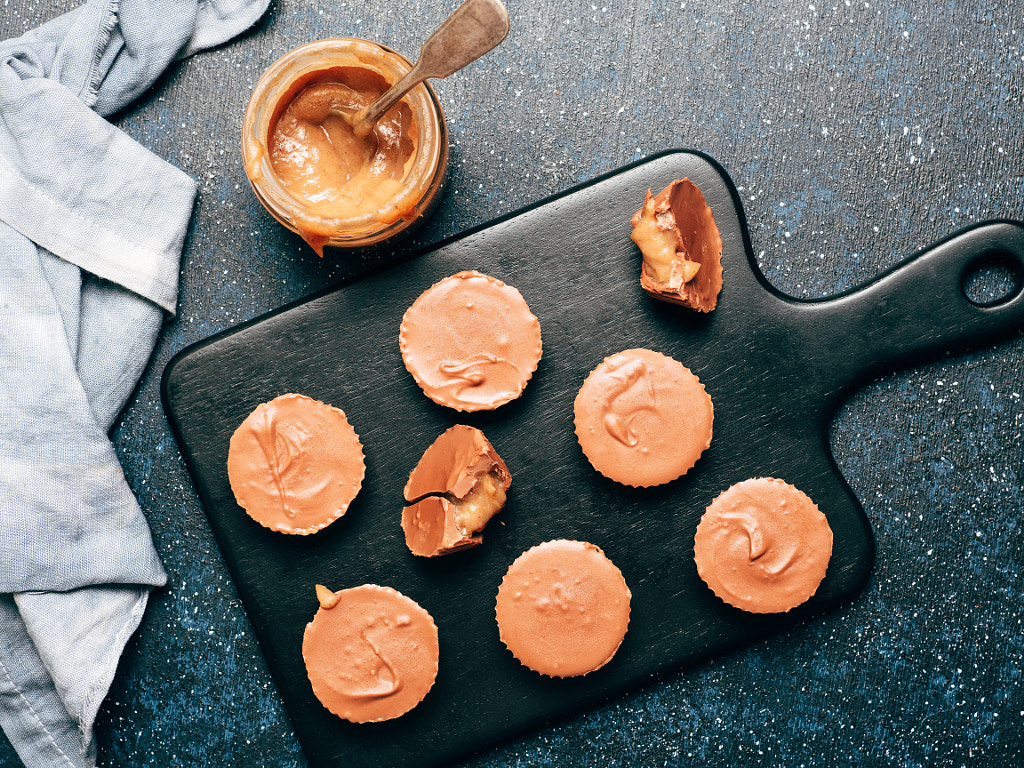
[{"x": 993, "y": 278}]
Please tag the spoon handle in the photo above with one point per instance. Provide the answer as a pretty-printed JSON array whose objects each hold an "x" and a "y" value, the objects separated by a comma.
[{"x": 472, "y": 30}]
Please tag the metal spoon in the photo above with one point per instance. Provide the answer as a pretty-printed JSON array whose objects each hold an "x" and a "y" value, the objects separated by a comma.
[{"x": 472, "y": 30}]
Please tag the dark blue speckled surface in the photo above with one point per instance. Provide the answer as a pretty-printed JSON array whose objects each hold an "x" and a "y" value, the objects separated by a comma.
[{"x": 857, "y": 132}]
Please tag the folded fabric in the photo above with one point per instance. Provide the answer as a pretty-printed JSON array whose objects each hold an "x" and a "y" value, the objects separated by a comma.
[{"x": 91, "y": 230}]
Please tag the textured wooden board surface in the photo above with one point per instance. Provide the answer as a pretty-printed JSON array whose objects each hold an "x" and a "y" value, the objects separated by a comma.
[{"x": 775, "y": 368}]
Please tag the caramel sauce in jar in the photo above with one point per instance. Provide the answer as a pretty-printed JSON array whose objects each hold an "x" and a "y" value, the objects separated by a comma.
[{"x": 309, "y": 169}]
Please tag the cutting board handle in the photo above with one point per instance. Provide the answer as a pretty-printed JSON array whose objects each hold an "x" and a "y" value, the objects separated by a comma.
[{"x": 919, "y": 310}]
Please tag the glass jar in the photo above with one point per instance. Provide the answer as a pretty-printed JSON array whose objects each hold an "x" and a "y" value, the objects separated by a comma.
[{"x": 420, "y": 181}]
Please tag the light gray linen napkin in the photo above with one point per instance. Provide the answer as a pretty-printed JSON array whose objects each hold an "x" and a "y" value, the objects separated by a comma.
[{"x": 91, "y": 230}]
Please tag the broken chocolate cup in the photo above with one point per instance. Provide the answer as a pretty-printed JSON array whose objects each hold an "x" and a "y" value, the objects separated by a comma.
[
  {"x": 458, "y": 486},
  {"x": 681, "y": 247}
]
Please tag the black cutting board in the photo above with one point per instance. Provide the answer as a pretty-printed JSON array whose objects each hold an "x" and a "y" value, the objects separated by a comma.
[{"x": 776, "y": 369}]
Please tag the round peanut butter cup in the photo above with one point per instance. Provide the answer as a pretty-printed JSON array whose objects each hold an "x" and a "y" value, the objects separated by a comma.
[
  {"x": 470, "y": 342},
  {"x": 763, "y": 546},
  {"x": 642, "y": 418},
  {"x": 563, "y": 608},
  {"x": 371, "y": 653},
  {"x": 295, "y": 464}
]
